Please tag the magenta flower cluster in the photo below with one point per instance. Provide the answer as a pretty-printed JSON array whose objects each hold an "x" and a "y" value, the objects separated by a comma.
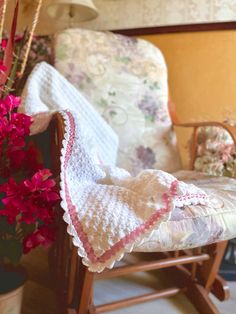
[{"x": 29, "y": 193}]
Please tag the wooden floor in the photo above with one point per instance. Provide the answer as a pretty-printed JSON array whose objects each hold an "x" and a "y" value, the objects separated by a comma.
[{"x": 40, "y": 299}]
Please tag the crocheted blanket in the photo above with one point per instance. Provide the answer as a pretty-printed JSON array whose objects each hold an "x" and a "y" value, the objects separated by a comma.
[{"x": 108, "y": 211}]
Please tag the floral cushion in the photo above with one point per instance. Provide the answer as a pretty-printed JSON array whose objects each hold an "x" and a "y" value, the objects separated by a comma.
[
  {"x": 126, "y": 81},
  {"x": 194, "y": 226}
]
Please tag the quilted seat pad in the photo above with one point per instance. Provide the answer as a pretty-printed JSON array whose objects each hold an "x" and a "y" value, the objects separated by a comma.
[{"x": 193, "y": 226}]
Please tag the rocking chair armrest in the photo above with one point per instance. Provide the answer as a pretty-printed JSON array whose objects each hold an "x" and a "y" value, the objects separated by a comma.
[
  {"x": 231, "y": 129},
  {"x": 195, "y": 125},
  {"x": 56, "y": 130}
]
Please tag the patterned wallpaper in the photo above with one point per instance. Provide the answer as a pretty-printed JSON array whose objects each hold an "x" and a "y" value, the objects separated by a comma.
[{"x": 117, "y": 14}]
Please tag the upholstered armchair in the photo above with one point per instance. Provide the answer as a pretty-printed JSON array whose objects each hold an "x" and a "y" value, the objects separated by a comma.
[{"x": 125, "y": 79}]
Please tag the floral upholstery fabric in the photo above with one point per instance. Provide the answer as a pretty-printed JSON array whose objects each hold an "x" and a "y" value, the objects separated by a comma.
[
  {"x": 126, "y": 81},
  {"x": 194, "y": 226},
  {"x": 216, "y": 153}
]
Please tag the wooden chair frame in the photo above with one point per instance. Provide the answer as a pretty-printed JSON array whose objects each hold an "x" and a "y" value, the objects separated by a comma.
[{"x": 194, "y": 272}]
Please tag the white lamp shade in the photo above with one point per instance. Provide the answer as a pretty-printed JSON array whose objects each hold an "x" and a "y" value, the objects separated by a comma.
[
  {"x": 67, "y": 13},
  {"x": 55, "y": 15},
  {"x": 78, "y": 10}
]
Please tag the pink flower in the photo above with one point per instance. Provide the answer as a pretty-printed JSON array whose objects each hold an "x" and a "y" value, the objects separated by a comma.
[
  {"x": 11, "y": 102},
  {"x": 18, "y": 128},
  {"x": 4, "y": 128},
  {"x": 4, "y": 43},
  {"x": 24, "y": 160},
  {"x": 29, "y": 243},
  {"x": 31, "y": 162},
  {"x": 43, "y": 236},
  {"x": 21, "y": 123},
  {"x": 3, "y": 68},
  {"x": 31, "y": 200},
  {"x": 12, "y": 200},
  {"x": 16, "y": 159},
  {"x": 10, "y": 213},
  {"x": 226, "y": 151},
  {"x": 10, "y": 188},
  {"x": 40, "y": 181},
  {"x": 18, "y": 38}
]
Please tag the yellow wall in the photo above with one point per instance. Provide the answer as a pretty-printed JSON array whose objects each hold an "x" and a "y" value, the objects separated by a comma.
[{"x": 202, "y": 75}]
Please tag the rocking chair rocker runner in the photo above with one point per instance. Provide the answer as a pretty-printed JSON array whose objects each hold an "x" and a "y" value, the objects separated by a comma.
[{"x": 192, "y": 271}]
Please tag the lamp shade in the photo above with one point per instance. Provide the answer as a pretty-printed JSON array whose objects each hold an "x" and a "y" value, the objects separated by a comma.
[
  {"x": 55, "y": 15},
  {"x": 65, "y": 10},
  {"x": 61, "y": 14}
]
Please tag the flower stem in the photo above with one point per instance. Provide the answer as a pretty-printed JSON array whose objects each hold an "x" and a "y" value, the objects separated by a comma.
[
  {"x": 11, "y": 78},
  {"x": 34, "y": 24},
  {"x": 3, "y": 13}
]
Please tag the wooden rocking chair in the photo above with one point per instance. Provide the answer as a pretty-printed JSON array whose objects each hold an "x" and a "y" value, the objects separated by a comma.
[{"x": 192, "y": 271}]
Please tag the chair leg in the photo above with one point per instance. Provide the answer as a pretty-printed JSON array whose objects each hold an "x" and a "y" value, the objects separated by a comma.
[
  {"x": 196, "y": 293},
  {"x": 86, "y": 279},
  {"x": 198, "y": 288},
  {"x": 92, "y": 309},
  {"x": 208, "y": 271},
  {"x": 199, "y": 297},
  {"x": 220, "y": 289}
]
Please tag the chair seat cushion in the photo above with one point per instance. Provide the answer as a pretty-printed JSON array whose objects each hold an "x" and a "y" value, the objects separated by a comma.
[{"x": 194, "y": 226}]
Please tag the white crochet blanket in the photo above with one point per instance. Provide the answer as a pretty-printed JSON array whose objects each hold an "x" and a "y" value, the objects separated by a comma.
[{"x": 108, "y": 212}]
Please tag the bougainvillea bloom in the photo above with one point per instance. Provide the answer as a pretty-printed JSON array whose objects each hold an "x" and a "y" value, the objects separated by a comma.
[
  {"x": 4, "y": 43},
  {"x": 43, "y": 236},
  {"x": 11, "y": 102},
  {"x": 29, "y": 195},
  {"x": 30, "y": 200}
]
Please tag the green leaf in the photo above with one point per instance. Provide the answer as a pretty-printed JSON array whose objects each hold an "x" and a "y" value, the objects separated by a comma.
[
  {"x": 103, "y": 102},
  {"x": 27, "y": 229},
  {"x": 88, "y": 80},
  {"x": 5, "y": 227},
  {"x": 2, "y": 248},
  {"x": 154, "y": 86},
  {"x": 125, "y": 60},
  {"x": 13, "y": 250},
  {"x": 113, "y": 113},
  {"x": 62, "y": 53}
]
